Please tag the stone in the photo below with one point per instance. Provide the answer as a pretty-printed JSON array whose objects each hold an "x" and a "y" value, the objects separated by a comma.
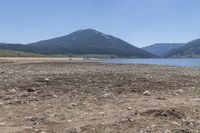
[
  {"x": 2, "y": 72},
  {"x": 153, "y": 126},
  {"x": 36, "y": 130},
  {"x": 179, "y": 91},
  {"x": 141, "y": 131},
  {"x": 2, "y": 124},
  {"x": 55, "y": 96},
  {"x": 175, "y": 123},
  {"x": 197, "y": 100},
  {"x": 74, "y": 104},
  {"x": 191, "y": 124},
  {"x": 124, "y": 119},
  {"x": 14, "y": 89},
  {"x": 30, "y": 89},
  {"x": 72, "y": 130},
  {"x": 167, "y": 131},
  {"x": 102, "y": 113},
  {"x": 29, "y": 128},
  {"x": 129, "y": 108},
  {"x": 136, "y": 112},
  {"x": 46, "y": 79},
  {"x": 69, "y": 121},
  {"x": 161, "y": 98},
  {"x": 146, "y": 93},
  {"x": 42, "y": 132}
]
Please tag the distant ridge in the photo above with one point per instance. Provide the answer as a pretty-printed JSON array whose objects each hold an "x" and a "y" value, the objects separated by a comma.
[
  {"x": 189, "y": 50},
  {"x": 161, "y": 49},
  {"x": 82, "y": 42}
]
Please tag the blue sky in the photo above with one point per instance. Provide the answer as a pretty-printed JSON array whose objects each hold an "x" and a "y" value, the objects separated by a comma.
[{"x": 140, "y": 22}]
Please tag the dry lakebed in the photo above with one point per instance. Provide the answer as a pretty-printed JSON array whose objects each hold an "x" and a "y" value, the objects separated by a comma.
[{"x": 58, "y": 95}]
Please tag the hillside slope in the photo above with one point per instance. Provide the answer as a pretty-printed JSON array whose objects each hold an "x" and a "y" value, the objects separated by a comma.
[
  {"x": 160, "y": 49},
  {"x": 82, "y": 42},
  {"x": 86, "y": 42},
  {"x": 190, "y": 50}
]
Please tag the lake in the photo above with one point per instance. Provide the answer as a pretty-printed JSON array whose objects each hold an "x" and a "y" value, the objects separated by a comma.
[{"x": 194, "y": 62}]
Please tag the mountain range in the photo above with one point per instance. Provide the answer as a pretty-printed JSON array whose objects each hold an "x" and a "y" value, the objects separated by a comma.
[
  {"x": 189, "y": 50},
  {"x": 82, "y": 42},
  {"x": 90, "y": 42},
  {"x": 176, "y": 50},
  {"x": 161, "y": 49}
]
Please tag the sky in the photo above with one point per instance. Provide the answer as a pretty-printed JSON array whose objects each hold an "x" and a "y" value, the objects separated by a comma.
[{"x": 139, "y": 22}]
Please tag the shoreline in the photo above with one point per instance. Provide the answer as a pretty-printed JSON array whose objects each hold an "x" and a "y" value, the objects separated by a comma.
[{"x": 82, "y": 96}]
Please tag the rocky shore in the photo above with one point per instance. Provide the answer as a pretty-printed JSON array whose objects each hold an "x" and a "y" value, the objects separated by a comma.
[{"x": 77, "y": 96}]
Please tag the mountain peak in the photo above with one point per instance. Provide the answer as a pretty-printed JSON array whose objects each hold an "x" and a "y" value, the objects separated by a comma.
[
  {"x": 87, "y": 30},
  {"x": 93, "y": 32},
  {"x": 86, "y": 42}
]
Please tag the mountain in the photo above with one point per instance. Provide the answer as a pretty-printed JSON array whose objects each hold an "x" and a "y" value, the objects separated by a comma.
[
  {"x": 190, "y": 50},
  {"x": 160, "y": 49},
  {"x": 83, "y": 42}
]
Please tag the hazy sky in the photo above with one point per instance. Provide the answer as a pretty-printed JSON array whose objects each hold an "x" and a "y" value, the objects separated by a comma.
[{"x": 140, "y": 22}]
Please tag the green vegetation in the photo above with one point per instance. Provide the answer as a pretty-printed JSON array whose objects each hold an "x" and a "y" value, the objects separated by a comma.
[{"x": 12, "y": 53}]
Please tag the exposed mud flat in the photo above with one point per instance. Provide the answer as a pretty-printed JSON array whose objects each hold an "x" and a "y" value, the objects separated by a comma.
[{"x": 72, "y": 96}]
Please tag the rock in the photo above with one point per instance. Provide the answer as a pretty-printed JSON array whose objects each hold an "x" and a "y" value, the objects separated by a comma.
[
  {"x": 74, "y": 104},
  {"x": 129, "y": 108},
  {"x": 31, "y": 90},
  {"x": 52, "y": 115},
  {"x": 175, "y": 123},
  {"x": 141, "y": 131},
  {"x": 28, "y": 117},
  {"x": 55, "y": 96},
  {"x": 69, "y": 121},
  {"x": 179, "y": 91},
  {"x": 2, "y": 124},
  {"x": 72, "y": 130},
  {"x": 36, "y": 130},
  {"x": 14, "y": 89},
  {"x": 153, "y": 126},
  {"x": 28, "y": 128},
  {"x": 42, "y": 132},
  {"x": 167, "y": 131},
  {"x": 191, "y": 124},
  {"x": 7, "y": 85},
  {"x": 136, "y": 112},
  {"x": 161, "y": 98},
  {"x": 197, "y": 100},
  {"x": 46, "y": 79},
  {"x": 132, "y": 119},
  {"x": 102, "y": 113},
  {"x": 146, "y": 93},
  {"x": 2, "y": 72},
  {"x": 106, "y": 95},
  {"x": 124, "y": 119}
]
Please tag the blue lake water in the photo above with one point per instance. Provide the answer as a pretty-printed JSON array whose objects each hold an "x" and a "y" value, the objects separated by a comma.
[{"x": 194, "y": 62}]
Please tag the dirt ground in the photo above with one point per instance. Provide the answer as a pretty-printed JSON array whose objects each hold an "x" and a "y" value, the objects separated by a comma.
[{"x": 76, "y": 96}]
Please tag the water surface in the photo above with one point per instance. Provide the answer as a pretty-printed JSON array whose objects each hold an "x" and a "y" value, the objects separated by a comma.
[{"x": 187, "y": 62}]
